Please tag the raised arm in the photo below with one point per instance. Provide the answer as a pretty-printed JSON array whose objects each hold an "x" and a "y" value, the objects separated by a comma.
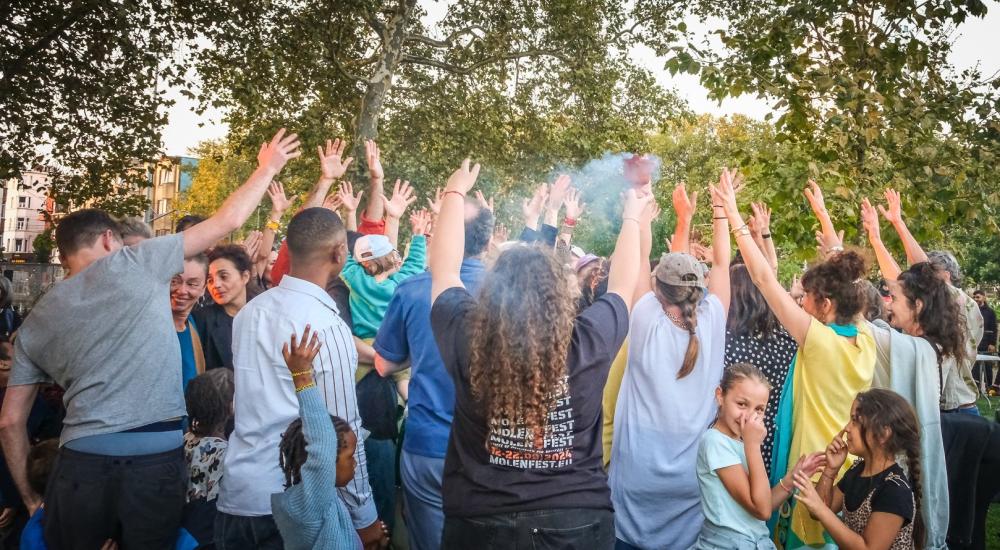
[
  {"x": 684, "y": 206},
  {"x": 795, "y": 320},
  {"x": 449, "y": 246},
  {"x": 376, "y": 178},
  {"x": 718, "y": 277},
  {"x": 818, "y": 204},
  {"x": 644, "y": 282},
  {"x": 333, "y": 166},
  {"x": 762, "y": 221},
  {"x": 625, "y": 259},
  {"x": 574, "y": 210},
  {"x": 557, "y": 195},
  {"x": 350, "y": 202},
  {"x": 279, "y": 204},
  {"x": 531, "y": 208},
  {"x": 886, "y": 263},
  {"x": 894, "y": 213},
  {"x": 394, "y": 208},
  {"x": 240, "y": 205}
]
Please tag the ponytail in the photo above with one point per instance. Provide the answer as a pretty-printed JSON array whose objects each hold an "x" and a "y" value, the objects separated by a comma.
[
  {"x": 913, "y": 468},
  {"x": 687, "y": 299}
]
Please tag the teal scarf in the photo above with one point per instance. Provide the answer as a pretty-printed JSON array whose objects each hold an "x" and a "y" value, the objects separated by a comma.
[{"x": 783, "y": 421}]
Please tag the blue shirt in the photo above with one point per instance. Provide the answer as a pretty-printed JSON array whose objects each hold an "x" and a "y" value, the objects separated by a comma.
[
  {"x": 406, "y": 334},
  {"x": 188, "y": 367}
]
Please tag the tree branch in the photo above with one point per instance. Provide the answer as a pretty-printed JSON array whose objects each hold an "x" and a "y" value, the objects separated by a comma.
[
  {"x": 469, "y": 69},
  {"x": 343, "y": 70},
  {"x": 10, "y": 69},
  {"x": 373, "y": 21},
  {"x": 449, "y": 41}
]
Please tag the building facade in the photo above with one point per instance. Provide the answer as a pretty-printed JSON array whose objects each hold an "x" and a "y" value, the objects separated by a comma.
[
  {"x": 171, "y": 176},
  {"x": 23, "y": 213}
]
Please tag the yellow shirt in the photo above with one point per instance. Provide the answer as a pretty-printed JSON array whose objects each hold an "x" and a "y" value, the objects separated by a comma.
[
  {"x": 830, "y": 370},
  {"x": 610, "y": 399}
]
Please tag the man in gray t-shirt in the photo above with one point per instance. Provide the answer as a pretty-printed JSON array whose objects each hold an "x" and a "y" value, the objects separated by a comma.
[{"x": 106, "y": 335}]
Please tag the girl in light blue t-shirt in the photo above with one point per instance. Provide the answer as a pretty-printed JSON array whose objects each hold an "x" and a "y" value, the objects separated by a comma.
[{"x": 736, "y": 497}]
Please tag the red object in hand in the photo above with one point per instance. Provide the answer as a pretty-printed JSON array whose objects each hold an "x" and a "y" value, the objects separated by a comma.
[{"x": 639, "y": 170}]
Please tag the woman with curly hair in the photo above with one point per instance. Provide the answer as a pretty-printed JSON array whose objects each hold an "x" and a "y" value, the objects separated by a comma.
[
  {"x": 666, "y": 401},
  {"x": 835, "y": 360},
  {"x": 523, "y": 465},
  {"x": 229, "y": 272}
]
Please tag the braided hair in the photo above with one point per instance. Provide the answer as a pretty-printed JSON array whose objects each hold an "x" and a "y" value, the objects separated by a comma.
[
  {"x": 687, "y": 299},
  {"x": 882, "y": 411},
  {"x": 292, "y": 453},
  {"x": 209, "y": 400}
]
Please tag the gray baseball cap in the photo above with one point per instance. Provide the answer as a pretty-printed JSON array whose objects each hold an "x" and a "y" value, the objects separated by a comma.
[{"x": 680, "y": 269}]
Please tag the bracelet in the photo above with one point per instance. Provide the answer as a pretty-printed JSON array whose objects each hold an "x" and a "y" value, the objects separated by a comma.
[
  {"x": 742, "y": 232},
  {"x": 272, "y": 225},
  {"x": 719, "y": 218},
  {"x": 302, "y": 372},
  {"x": 717, "y": 206},
  {"x": 633, "y": 219},
  {"x": 782, "y": 483},
  {"x": 459, "y": 193},
  {"x": 306, "y": 387},
  {"x": 766, "y": 236},
  {"x": 569, "y": 222},
  {"x": 740, "y": 228},
  {"x": 836, "y": 248}
]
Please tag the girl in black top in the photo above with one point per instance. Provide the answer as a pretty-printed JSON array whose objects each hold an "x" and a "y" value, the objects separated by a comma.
[
  {"x": 881, "y": 507},
  {"x": 228, "y": 275}
]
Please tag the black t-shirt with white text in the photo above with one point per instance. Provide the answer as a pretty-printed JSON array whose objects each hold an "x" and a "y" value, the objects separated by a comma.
[{"x": 502, "y": 468}]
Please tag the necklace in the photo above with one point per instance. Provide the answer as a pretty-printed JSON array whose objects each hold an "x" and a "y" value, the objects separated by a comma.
[{"x": 675, "y": 319}]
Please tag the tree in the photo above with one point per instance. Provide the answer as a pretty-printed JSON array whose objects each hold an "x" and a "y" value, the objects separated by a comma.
[
  {"x": 82, "y": 89},
  {"x": 866, "y": 91},
  {"x": 43, "y": 246}
]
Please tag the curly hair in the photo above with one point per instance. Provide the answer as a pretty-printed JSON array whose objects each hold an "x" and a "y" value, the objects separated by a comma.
[
  {"x": 234, "y": 253},
  {"x": 839, "y": 279},
  {"x": 882, "y": 411},
  {"x": 593, "y": 283},
  {"x": 520, "y": 333},
  {"x": 940, "y": 319},
  {"x": 292, "y": 453},
  {"x": 748, "y": 311},
  {"x": 209, "y": 400},
  {"x": 687, "y": 299}
]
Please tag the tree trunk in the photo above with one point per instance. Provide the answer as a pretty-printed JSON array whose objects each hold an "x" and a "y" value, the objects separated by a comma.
[{"x": 381, "y": 81}]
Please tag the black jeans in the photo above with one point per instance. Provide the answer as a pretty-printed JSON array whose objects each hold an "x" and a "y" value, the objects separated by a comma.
[
  {"x": 136, "y": 500},
  {"x": 247, "y": 532},
  {"x": 559, "y": 529}
]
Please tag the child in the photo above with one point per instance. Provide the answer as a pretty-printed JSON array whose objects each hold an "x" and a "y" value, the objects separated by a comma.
[
  {"x": 209, "y": 399},
  {"x": 314, "y": 449},
  {"x": 881, "y": 509},
  {"x": 735, "y": 494}
]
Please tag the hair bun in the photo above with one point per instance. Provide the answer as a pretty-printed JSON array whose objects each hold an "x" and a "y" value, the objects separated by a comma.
[{"x": 850, "y": 264}]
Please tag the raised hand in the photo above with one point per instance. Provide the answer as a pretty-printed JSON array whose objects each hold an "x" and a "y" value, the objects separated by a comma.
[
  {"x": 483, "y": 201},
  {"x": 826, "y": 244},
  {"x": 299, "y": 355},
  {"x": 558, "y": 192},
  {"x": 252, "y": 244},
  {"x": 703, "y": 253},
  {"x": 276, "y": 153},
  {"x": 724, "y": 194},
  {"x": 532, "y": 208},
  {"x": 333, "y": 202},
  {"x": 752, "y": 429},
  {"x": 869, "y": 219},
  {"x": 402, "y": 197},
  {"x": 684, "y": 203},
  {"x": 347, "y": 197},
  {"x": 373, "y": 157},
  {"x": 894, "y": 211},
  {"x": 836, "y": 454},
  {"x": 809, "y": 464},
  {"x": 435, "y": 203},
  {"x": 464, "y": 178},
  {"x": 815, "y": 197},
  {"x": 574, "y": 206},
  {"x": 761, "y": 217},
  {"x": 421, "y": 222},
  {"x": 332, "y": 165},
  {"x": 279, "y": 202},
  {"x": 635, "y": 204},
  {"x": 500, "y": 233}
]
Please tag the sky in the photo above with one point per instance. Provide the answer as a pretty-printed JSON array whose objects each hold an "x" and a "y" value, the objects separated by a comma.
[{"x": 975, "y": 43}]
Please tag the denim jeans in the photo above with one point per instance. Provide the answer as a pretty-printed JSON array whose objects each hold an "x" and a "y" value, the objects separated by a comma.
[
  {"x": 136, "y": 500},
  {"x": 536, "y": 530},
  {"x": 246, "y": 533},
  {"x": 380, "y": 455},
  {"x": 422, "y": 506}
]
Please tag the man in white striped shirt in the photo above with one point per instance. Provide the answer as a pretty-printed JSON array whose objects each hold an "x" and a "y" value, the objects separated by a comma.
[{"x": 265, "y": 399}]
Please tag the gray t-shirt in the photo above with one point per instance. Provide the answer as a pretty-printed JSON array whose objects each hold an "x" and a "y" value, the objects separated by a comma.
[{"x": 106, "y": 335}]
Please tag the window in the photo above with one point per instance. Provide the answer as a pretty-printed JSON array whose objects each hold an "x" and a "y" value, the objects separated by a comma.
[
  {"x": 23, "y": 202},
  {"x": 166, "y": 175},
  {"x": 22, "y": 223},
  {"x": 162, "y": 232},
  {"x": 162, "y": 206},
  {"x": 18, "y": 245}
]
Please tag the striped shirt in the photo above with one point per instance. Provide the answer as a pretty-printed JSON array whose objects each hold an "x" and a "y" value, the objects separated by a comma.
[{"x": 265, "y": 400}]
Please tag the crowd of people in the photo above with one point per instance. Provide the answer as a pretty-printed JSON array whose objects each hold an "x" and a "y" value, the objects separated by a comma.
[{"x": 184, "y": 392}]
